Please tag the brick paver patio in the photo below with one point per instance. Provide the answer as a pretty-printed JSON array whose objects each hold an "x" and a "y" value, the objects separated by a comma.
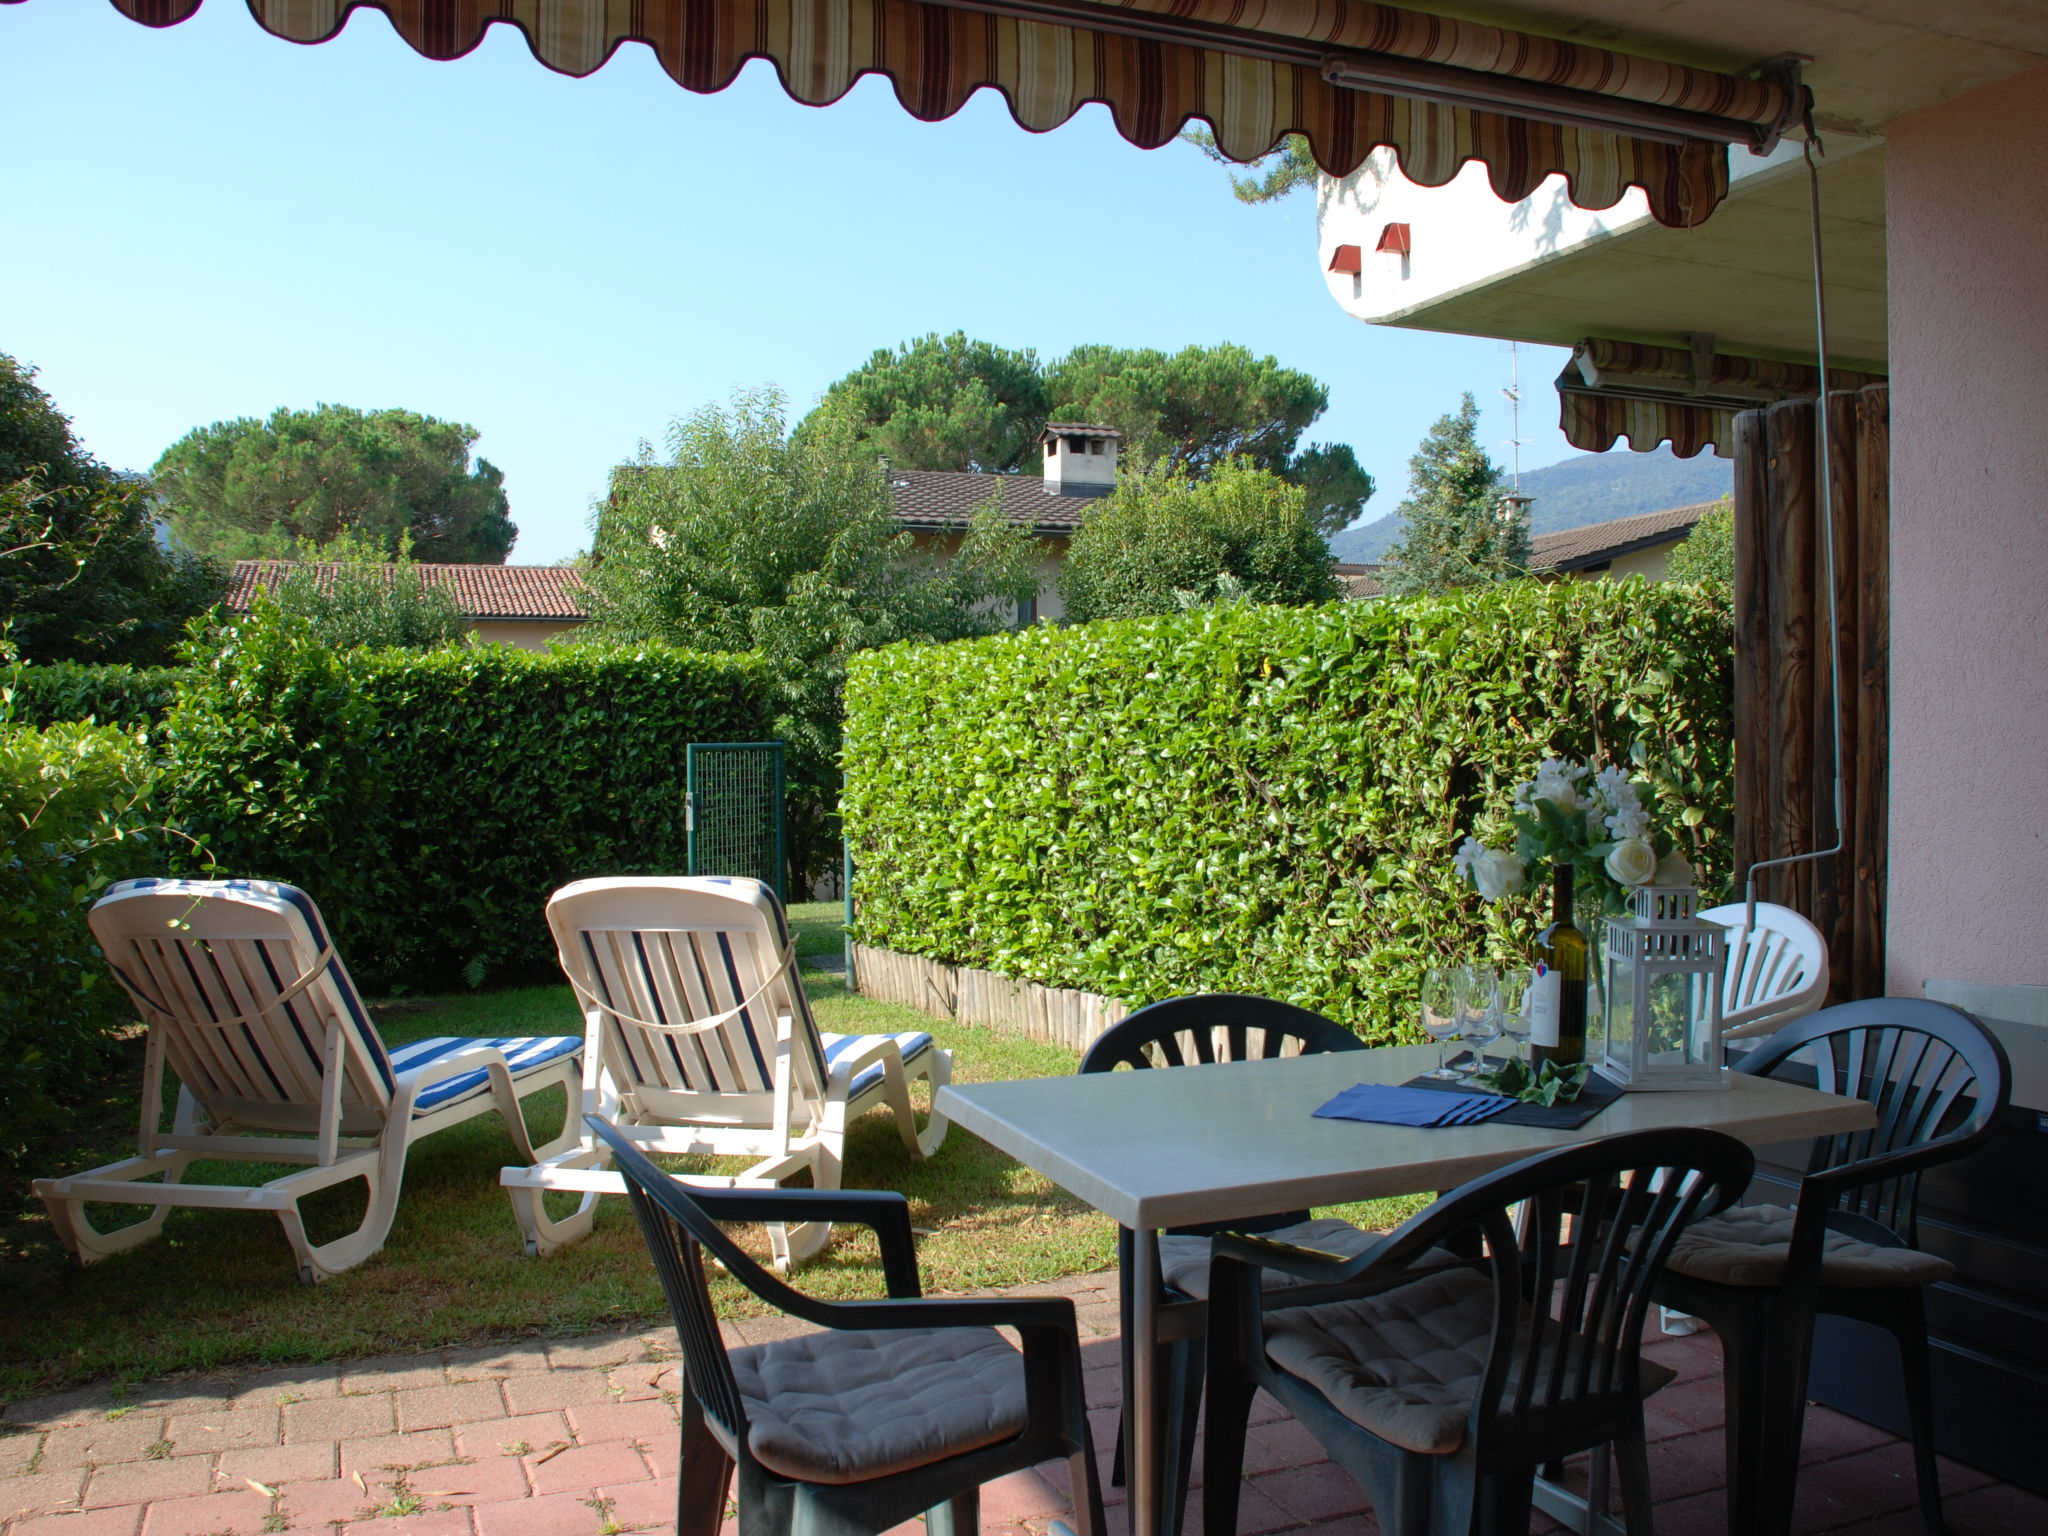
[{"x": 577, "y": 1437}]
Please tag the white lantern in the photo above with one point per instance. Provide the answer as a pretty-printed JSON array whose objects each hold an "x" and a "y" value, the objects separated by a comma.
[{"x": 1661, "y": 993}]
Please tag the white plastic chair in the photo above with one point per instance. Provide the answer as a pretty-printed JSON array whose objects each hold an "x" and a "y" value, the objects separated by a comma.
[
  {"x": 277, "y": 1062},
  {"x": 1777, "y": 971},
  {"x": 699, "y": 1040}
]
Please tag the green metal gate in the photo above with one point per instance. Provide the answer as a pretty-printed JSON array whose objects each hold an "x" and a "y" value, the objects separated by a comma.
[{"x": 735, "y": 810}]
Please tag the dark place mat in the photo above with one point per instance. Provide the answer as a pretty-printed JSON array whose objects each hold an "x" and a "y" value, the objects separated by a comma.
[{"x": 1598, "y": 1093}]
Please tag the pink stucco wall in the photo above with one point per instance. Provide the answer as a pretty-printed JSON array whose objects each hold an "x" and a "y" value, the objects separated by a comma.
[{"x": 1967, "y": 215}]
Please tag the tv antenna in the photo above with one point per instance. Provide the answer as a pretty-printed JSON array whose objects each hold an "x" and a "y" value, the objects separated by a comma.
[{"x": 1513, "y": 395}]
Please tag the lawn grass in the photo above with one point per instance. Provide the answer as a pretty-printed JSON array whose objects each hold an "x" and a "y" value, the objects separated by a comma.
[{"x": 219, "y": 1290}]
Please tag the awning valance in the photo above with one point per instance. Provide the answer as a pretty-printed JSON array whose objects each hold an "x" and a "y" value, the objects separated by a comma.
[
  {"x": 1688, "y": 398},
  {"x": 1348, "y": 75}
]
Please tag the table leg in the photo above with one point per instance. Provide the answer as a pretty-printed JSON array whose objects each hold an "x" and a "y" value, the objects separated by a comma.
[{"x": 1144, "y": 1465}]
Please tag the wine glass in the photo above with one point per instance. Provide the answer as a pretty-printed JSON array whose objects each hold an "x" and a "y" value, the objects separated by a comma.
[
  {"x": 1478, "y": 1011},
  {"x": 1440, "y": 1012},
  {"x": 1515, "y": 983}
]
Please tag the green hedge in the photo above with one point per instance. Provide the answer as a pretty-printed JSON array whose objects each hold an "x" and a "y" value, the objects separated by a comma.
[
  {"x": 430, "y": 801},
  {"x": 1264, "y": 799},
  {"x": 73, "y": 803},
  {"x": 112, "y": 695}
]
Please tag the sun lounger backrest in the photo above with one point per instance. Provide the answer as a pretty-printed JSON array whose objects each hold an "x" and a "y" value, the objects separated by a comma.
[
  {"x": 687, "y": 976},
  {"x": 241, "y": 980}
]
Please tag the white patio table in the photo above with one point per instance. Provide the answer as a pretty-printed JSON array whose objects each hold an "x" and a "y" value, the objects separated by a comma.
[{"x": 1238, "y": 1139}]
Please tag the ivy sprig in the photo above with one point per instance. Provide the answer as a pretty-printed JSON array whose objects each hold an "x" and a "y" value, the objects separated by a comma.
[{"x": 1549, "y": 1085}]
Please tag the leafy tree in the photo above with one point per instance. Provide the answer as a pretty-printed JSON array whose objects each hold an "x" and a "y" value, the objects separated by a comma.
[
  {"x": 1291, "y": 165},
  {"x": 1460, "y": 532},
  {"x": 1707, "y": 554},
  {"x": 953, "y": 403},
  {"x": 945, "y": 402},
  {"x": 754, "y": 538},
  {"x": 1164, "y": 540},
  {"x": 82, "y": 577},
  {"x": 290, "y": 485},
  {"x": 357, "y": 598}
]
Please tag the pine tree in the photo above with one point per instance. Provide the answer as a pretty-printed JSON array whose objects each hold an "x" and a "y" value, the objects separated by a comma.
[{"x": 1461, "y": 530}]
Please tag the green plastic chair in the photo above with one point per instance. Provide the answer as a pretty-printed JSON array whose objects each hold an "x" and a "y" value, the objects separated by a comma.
[{"x": 897, "y": 1408}]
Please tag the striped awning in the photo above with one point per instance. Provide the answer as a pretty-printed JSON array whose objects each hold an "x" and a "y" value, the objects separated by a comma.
[
  {"x": 1687, "y": 398},
  {"x": 1347, "y": 74}
]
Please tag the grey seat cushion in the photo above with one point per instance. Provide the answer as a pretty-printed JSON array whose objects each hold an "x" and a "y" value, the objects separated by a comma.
[
  {"x": 845, "y": 1406},
  {"x": 1406, "y": 1364},
  {"x": 1184, "y": 1261},
  {"x": 1749, "y": 1244}
]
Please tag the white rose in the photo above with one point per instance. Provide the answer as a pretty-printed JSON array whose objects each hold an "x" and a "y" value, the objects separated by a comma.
[
  {"x": 1675, "y": 869},
  {"x": 1498, "y": 873},
  {"x": 1632, "y": 862}
]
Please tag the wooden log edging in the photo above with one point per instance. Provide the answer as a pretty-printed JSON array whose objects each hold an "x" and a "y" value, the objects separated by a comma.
[{"x": 1060, "y": 1015}]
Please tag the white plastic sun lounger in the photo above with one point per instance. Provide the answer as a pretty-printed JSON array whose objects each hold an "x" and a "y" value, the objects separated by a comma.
[
  {"x": 277, "y": 1062},
  {"x": 699, "y": 1040}
]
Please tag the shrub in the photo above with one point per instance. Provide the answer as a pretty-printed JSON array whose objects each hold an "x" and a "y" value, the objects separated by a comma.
[
  {"x": 1707, "y": 554},
  {"x": 128, "y": 696},
  {"x": 1264, "y": 799},
  {"x": 73, "y": 807},
  {"x": 430, "y": 801},
  {"x": 1163, "y": 539}
]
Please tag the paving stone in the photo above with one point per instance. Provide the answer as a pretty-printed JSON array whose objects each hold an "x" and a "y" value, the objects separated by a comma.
[
  {"x": 473, "y": 1482},
  {"x": 225, "y": 1430},
  {"x": 21, "y": 1450},
  {"x": 1829, "y": 1434},
  {"x": 140, "y": 1482},
  {"x": 392, "y": 1373},
  {"x": 294, "y": 1384},
  {"x": 77, "y": 1407},
  {"x": 556, "y": 1389},
  {"x": 339, "y": 1418},
  {"x": 428, "y": 1522},
  {"x": 470, "y": 1402},
  {"x": 1283, "y": 1443},
  {"x": 372, "y": 1454},
  {"x": 124, "y": 1520},
  {"x": 654, "y": 1423},
  {"x": 562, "y": 1514},
  {"x": 197, "y": 1394},
  {"x": 308, "y": 1462},
  {"x": 645, "y": 1505},
  {"x": 644, "y": 1381},
  {"x": 596, "y": 1353},
  {"x": 587, "y": 1466},
  {"x": 314, "y": 1506},
  {"x": 1019, "y": 1497},
  {"x": 41, "y": 1493},
  {"x": 1320, "y": 1492},
  {"x": 242, "y": 1512},
  {"x": 494, "y": 1360},
  {"x": 127, "y": 1438},
  {"x": 535, "y": 1431}
]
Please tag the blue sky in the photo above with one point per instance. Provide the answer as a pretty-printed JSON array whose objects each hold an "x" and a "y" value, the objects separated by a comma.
[{"x": 206, "y": 222}]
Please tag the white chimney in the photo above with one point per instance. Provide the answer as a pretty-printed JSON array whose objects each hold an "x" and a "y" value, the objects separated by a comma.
[{"x": 1079, "y": 460}]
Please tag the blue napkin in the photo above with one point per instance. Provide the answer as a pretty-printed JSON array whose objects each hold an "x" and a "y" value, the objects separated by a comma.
[{"x": 1384, "y": 1104}]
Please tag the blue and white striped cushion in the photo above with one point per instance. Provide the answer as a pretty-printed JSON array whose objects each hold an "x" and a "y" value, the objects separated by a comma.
[
  {"x": 524, "y": 1054},
  {"x": 911, "y": 1043}
]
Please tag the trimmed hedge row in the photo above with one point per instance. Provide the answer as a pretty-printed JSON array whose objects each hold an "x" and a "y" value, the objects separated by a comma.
[
  {"x": 111, "y": 695},
  {"x": 430, "y": 800},
  {"x": 73, "y": 804},
  {"x": 1265, "y": 799}
]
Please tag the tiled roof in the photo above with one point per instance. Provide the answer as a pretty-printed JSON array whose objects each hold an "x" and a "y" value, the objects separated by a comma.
[
  {"x": 1357, "y": 580},
  {"x": 552, "y": 592},
  {"x": 935, "y": 498},
  {"x": 1575, "y": 548}
]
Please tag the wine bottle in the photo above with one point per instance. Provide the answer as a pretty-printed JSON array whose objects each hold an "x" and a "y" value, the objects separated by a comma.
[{"x": 1557, "y": 1009}]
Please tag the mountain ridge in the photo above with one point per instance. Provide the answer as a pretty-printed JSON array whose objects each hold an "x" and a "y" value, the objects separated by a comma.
[{"x": 1575, "y": 492}]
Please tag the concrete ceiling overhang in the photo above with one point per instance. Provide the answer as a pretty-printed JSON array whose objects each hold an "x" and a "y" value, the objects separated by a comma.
[{"x": 1746, "y": 274}]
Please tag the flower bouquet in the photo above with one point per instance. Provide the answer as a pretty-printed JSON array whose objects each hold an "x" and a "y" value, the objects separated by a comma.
[{"x": 1572, "y": 813}]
